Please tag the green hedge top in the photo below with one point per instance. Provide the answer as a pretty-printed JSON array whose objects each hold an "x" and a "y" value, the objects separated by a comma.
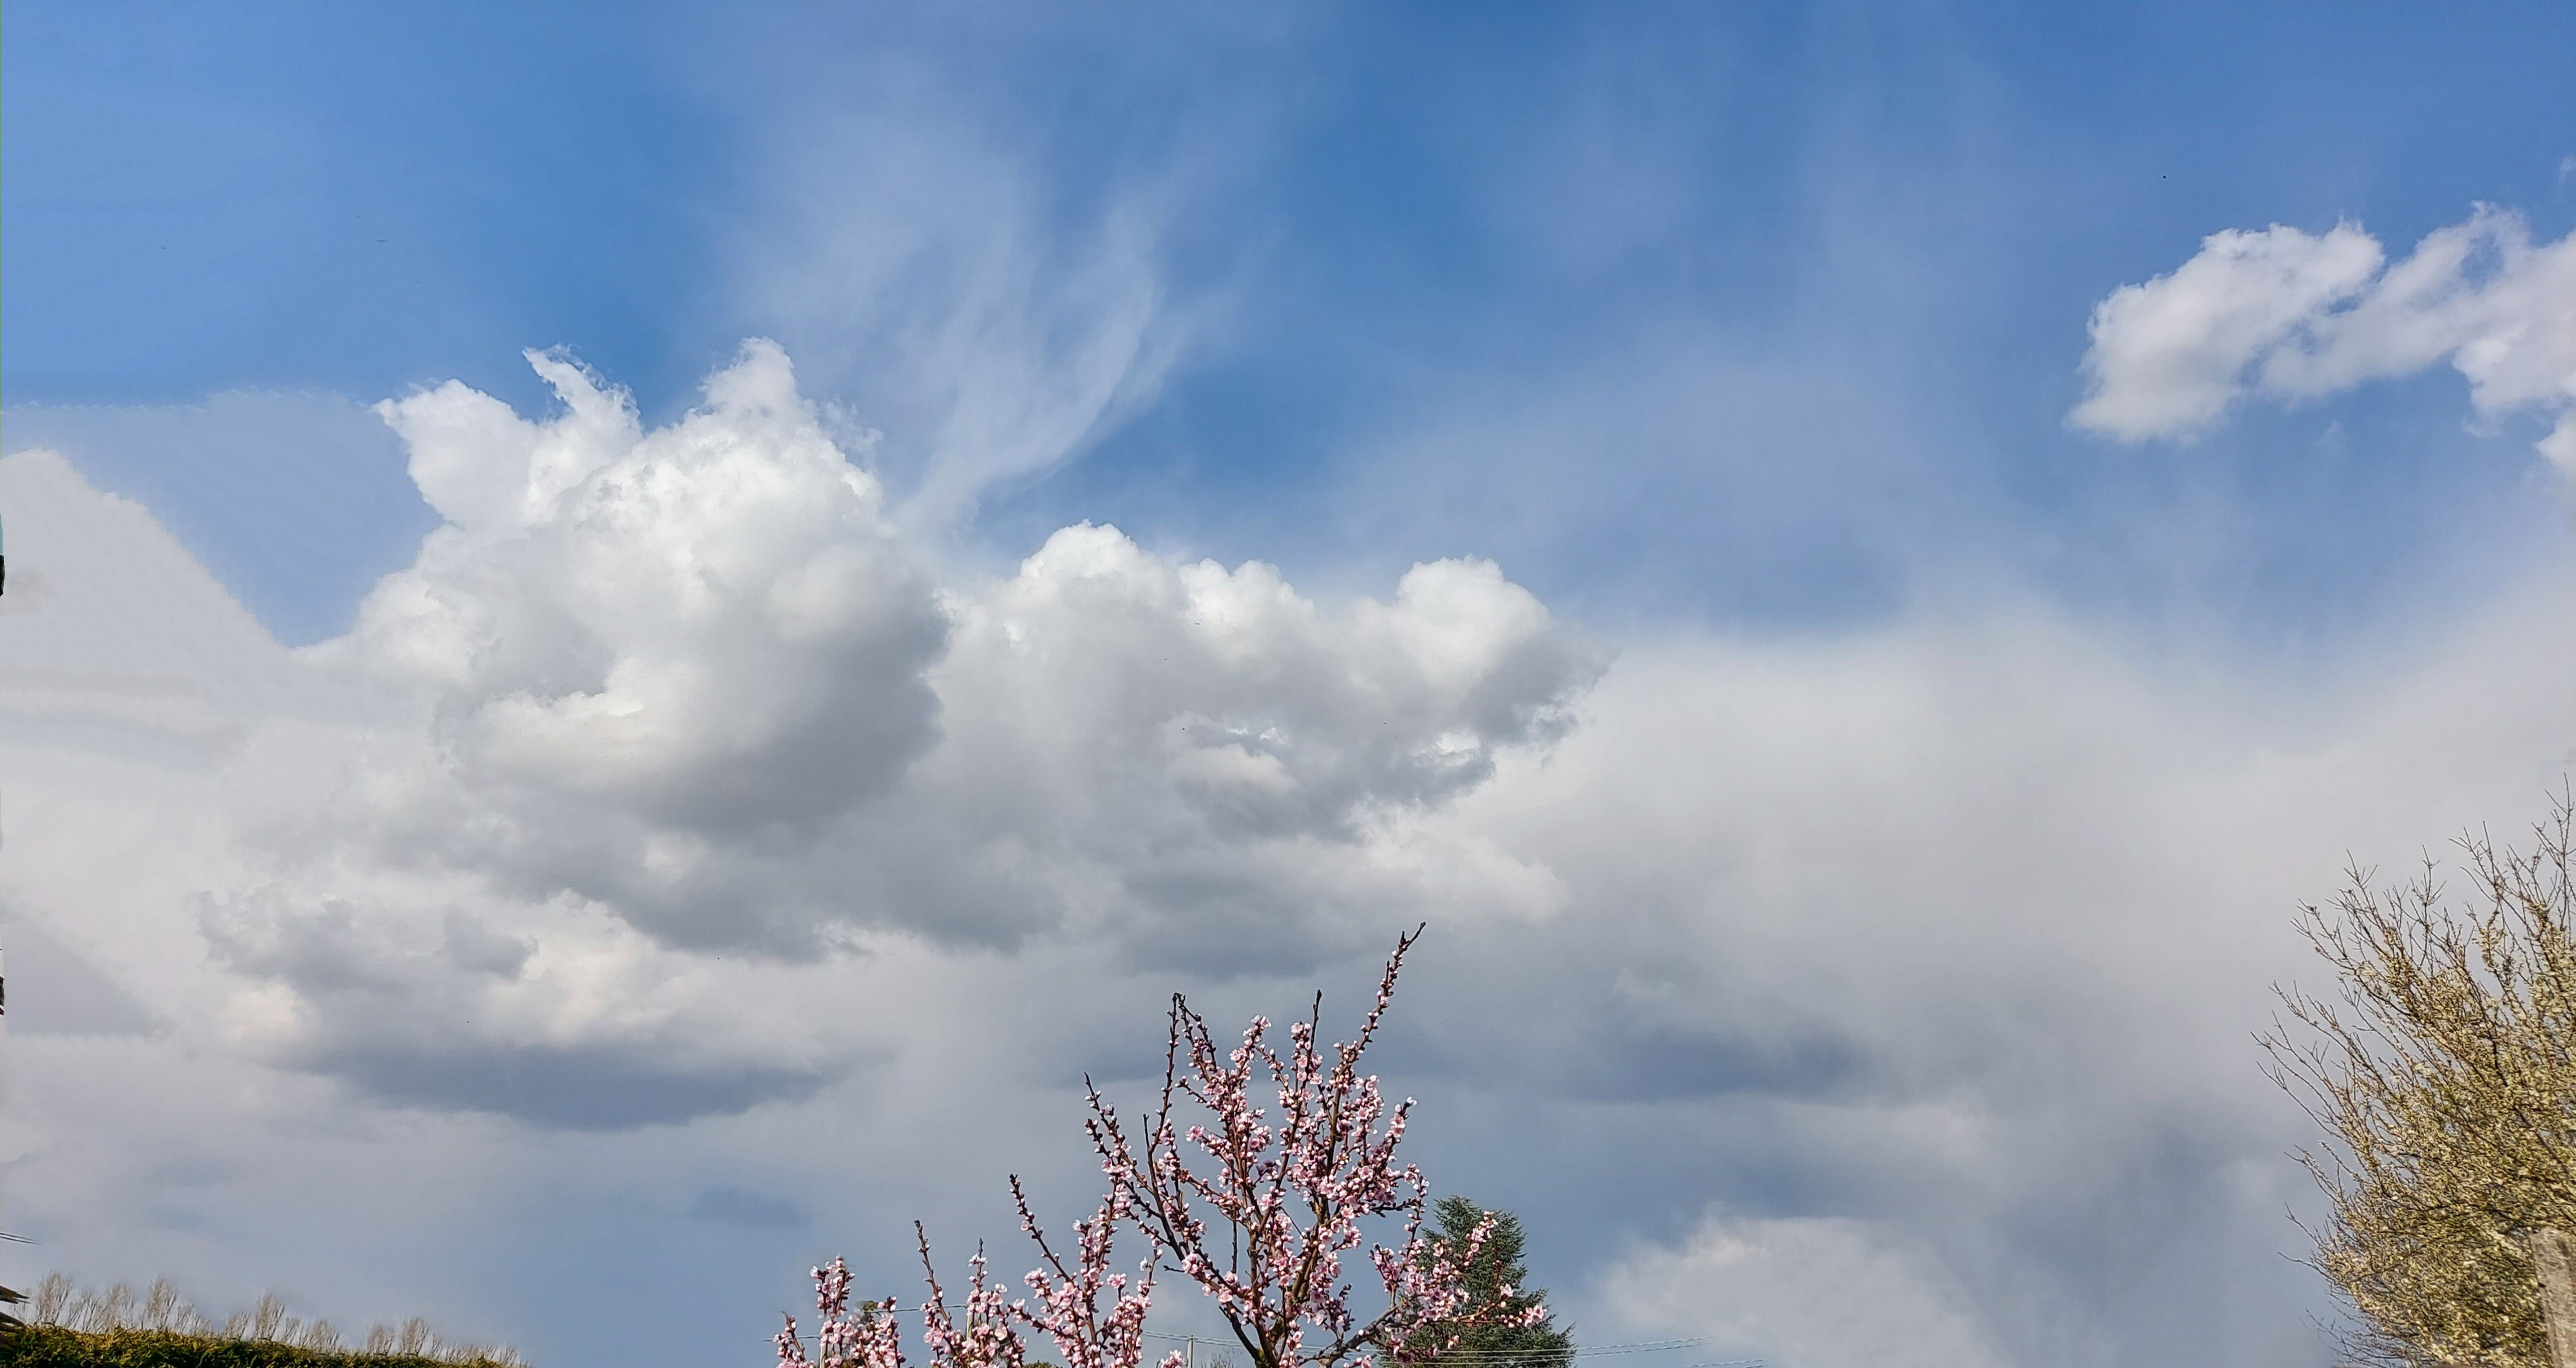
[{"x": 51, "y": 1346}]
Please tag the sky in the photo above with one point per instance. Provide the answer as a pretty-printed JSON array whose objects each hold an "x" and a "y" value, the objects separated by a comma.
[{"x": 640, "y": 633}]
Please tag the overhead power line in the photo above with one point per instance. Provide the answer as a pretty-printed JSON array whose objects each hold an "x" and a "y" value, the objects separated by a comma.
[
  {"x": 1515, "y": 1355},
  {"x": 1638, "y": 1347},
  {"x": 1481, "y": 1356}
]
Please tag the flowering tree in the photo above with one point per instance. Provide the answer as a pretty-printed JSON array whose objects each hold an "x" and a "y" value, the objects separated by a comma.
[
  {"x": 1069, "y": 1310},
  {"x": 1284, "y": 1197},
  {"x": 868, "y": 1339},
  {"x": 1068, "y": 1299},
  {"x": 2443, "y": 1073},
  {"x": 1497, "y": 1342}
]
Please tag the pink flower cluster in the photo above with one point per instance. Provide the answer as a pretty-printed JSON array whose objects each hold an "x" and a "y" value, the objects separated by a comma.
[
  {"x": 1068, "y": 1308},
  {"x": 1288, "y": 1194},
  {"x": 1069, "y": 1311},
  {"x": 869, "y": 1339}
]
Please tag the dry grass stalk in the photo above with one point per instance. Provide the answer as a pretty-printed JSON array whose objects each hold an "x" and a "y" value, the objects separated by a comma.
[
  {"x": 57, "y": 1301},
  {"x": 2444, "y": 1073}
]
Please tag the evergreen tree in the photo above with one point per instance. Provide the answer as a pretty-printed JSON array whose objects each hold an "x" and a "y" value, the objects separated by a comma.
[{"x": 1497, "y": 1265}]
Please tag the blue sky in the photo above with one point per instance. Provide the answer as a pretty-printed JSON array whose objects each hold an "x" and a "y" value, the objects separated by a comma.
[
  {"x": 1703, "y": 503},
  {"x": 1381, "y": 224}
]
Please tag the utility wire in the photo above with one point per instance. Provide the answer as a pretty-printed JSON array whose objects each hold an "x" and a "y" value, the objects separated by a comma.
[
  {"x": 1460, "y": 1355},
  {"x": 1474, "y": 1355},
  {"x": 1515, "y": 1355},
  {"x": 1469, "y": 1356}
]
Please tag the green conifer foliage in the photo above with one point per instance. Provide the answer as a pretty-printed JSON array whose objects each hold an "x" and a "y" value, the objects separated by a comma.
[{"x": 1496, "y": 1266}]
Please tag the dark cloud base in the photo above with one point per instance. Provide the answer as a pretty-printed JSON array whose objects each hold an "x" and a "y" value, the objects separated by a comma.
[{"x": 583, "y": 1089}]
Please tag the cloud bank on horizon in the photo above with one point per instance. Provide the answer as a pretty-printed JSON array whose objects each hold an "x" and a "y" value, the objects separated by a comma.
[{"x": 672, "y": 782}]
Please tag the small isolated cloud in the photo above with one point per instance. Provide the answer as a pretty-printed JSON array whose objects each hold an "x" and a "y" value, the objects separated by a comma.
[
  {"x": 2290, "y": 316},
  {"x": 1804, "y": 1293}
]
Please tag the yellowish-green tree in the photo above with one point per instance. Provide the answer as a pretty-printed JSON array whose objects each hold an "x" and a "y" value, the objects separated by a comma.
[{"x": 2443, "y": 1071}]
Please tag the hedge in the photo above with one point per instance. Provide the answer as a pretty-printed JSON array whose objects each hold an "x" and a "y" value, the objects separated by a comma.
[{"x": 51, "y": 1346}]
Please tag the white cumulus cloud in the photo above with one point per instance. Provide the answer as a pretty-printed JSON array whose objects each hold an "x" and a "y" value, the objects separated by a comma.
[
  {"x": 700, "y": 631},
  {"x": 573, "y": 822},
  {"x": 2291, "y": 316}
]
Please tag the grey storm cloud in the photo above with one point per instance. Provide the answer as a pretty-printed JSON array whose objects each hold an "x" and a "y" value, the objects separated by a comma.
[{"x": 597, "y": 1087}]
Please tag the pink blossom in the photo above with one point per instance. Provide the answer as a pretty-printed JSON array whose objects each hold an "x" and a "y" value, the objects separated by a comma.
[
  {"x": 869, "y": 1339},
  {"x": 1282, "y": 1195},
  {"x": 1289, "y": 1192}
]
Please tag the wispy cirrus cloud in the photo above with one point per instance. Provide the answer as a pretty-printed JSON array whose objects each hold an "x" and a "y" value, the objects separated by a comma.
[{"x": 995, "y": 261}]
